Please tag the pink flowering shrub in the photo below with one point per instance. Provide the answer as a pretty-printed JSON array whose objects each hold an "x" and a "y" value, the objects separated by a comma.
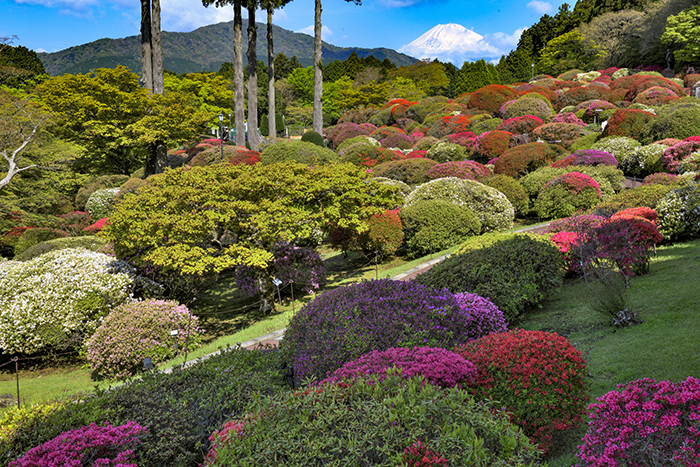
[
  {"x": 418, "y": 455},
  {"x": 463, "y": 138},
  {"x": 134, "y": 331},
  {"x": 642, "y": 211},
  {"x": 397, "y": 141},
  {"x": 566, "y": 194},
  {"x": 644, "y": 423},
  {"x": 568, "y": 117},
  {"x": 470, "y": 170},
  {"x": 566, "y": 242},
  {"x": 673, "y": 155},
  {"x": 661, "y": 178},
  {"x": 439, "y": 366},
  {"x": 484, "y": 316},
  {"x": 594, "y": 157},
  {"x": 220, "y": 438},
  {"x": 578, "y": 223},
  {"x": 93, "y": 445},
  {"x": 520, "y": 125}
]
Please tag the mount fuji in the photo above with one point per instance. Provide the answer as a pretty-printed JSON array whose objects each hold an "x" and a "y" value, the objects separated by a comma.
[{"x": 451, "y": 42}]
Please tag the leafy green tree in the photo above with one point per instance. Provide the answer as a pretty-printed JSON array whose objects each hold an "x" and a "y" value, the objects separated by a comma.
[
  {"x": 683, "y": 30},
  {"x": 206, "y": 220},
  {"x": 19, "y": 66},
  {"x": 612, "y": 33},
  {"x": 303, "y": 81},
  {"x": 476, "y": 75},
  {"x": 404, "y": 88},
  {"x": 568, "y": 51},
  {"x": 284, "y": 66},
  {"x": 429, "y": 76}
]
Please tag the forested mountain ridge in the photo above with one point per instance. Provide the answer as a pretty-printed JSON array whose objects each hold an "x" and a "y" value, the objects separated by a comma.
[{"x": 203, "y": 49}]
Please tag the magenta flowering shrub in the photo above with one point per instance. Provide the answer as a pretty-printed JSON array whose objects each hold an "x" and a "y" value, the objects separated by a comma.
[
  {"x": 302, "y": 267},
  {"x": 644, "y": 423},
  {"x": 343, "y": 131},
  {"x": 568, "y": 117},
  {"x": 594, "y": 157},
  {"x": 93, "y": 445},
  {"x": 439, "y": 366},
  {"x": 134, "y": 331},
  {"x": 674, "y": 155},
  {"x": 520, "y": 125},
  {"x": 484, "y": 315},
  {"x": 566, "y": 242},
  {"x": 470, "y": 170},
  {"x": 661, "y": 178},
  {"x": 463, "y": 138},
  {"x": 397, "y": 140},
  {"x": 418, "y": 455},
  {"x": 566, "y": 194},
  {"x": 345, "y": 323}
]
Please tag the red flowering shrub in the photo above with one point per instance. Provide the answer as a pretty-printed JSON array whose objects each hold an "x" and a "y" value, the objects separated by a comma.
[
  {"x": 661, "y": 178},
  {"x": 643, "y": 212},
  {"x": 627, "y": 122},
  {"x": 690, "y": 79},
  {"x": 91, "y": 445},
  {"x": 384, "y": 233},
  {"x": 642, "y": 83},
  {"x": 385, "y": 131},
  {"x": 542, "y": 91},
  {"x": 463, "y": 138},
  {"x": 574, "y": 96},
  {"x": 97, "y": 226},
  {"x": 644, "y": 423},
  {"x": 244, "y": 156},
  {"x": 563, "y": 134},
  {"x": 492, "y": 97},
  {"x": 526, "y": 158},
  {"x": 566, "y": 194},
  {"x": 492, "y": 144},
  {"x": 343, "y": 131},
  {"x": 565, "y": 162},
  {"x": 470, "y": 170},
  {"x": 439, "y": 366},
  {"x": 608, "y": 71},
  {"x": 656, "y": 95},
  {"x": 448, "y": 125},
  {"x": 520, "y": 125},
  {"x": 539, "y": 377},
  {"x": 397, "y": 140},
  {"x": 418, "y": 455}
]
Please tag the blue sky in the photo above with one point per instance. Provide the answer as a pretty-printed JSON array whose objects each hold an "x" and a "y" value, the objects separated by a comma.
[{"x": 53, "y": 25}]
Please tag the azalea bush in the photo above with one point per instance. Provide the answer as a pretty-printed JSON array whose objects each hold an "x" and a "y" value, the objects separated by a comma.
[
  {"x": 438, "y": 366},
  {"x": 618, "y": 146},
  {"x": 566, "y": 194},
  {"x": 470, "y": 170},
  {"x": 538, "y": 377},
  {"x": 445, "y": 152},
  {"x": 526, "y": 158},
  {"x": 59, "y": 298},
  {"x": 91, "y": 445},
  {"x": 347, "y": 322},
  {"x": 593, "y": 157},
  {"x": 562, "y": 134},
  {"x": 491, "y": 144},
  {"x": 644, "y": 422},
  {"x": 357, "y": 423},
  {"x": 88, "y": 242},
  {"x": 484, "y": 315},
  {"x": 36, "y": 235},
  {"x": 662, "y": 178},
  {"x": 447, "y": 125},
  {"x": 492, "y": 97},
  {"x": 537, "y": 107},
  {"x": 520, "y": 125},
  {"x": 134, "y": 331},
  {"x": 410, "y": 171},
  {"x": 491, "y": 206},
  {"x": 74, "y": 222},
  {"x": 643, "y": 160},
  {"x": 100, "y": 203},
  {"x": 513, "y": 190},
  {"x": 679, "y": 213}
]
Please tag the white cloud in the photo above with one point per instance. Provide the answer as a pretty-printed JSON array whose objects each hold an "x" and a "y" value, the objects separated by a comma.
[
  {"x": 40, "y": 50},
  {"x": 398, "y": 3},
  {"x": 279, "y": 16},
  {"x": 503, "y": 40},
  {"x": 184, "y": 15},
  {"x": 326, "y": 32},
  {"x": 540, "y": 7}
]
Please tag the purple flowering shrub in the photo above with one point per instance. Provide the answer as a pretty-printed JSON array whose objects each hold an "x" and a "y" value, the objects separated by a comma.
[
  {"x": 594, "y": 157},
  {"x": 470, "y": 170},
  {"x": 397, "y": 140},
  {"x": 439, "y": 366},
  {"x": 644, "y": 423},
  {"x": 93, "y": 445},
  {"x": 134, "y": 331},
  {"x": 293, "y": 264},
  {"x": 484, "y": 316},
  {"x": 345, "y": 323}
]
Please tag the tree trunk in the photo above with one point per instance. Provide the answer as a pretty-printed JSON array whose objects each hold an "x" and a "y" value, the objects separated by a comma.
[
  {"x": 252, "y": 78},
  {"x": 318, "y": 77},
  {"x": 146, "y": 64},
  {"x": 271, "y": 113},
  {"x": 239, "y": 97},
  {"x": 156, "y": 48}
]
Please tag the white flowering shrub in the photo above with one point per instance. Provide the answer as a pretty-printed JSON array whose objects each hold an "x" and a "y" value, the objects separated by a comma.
[
  {"x": 643, "y": 161},
  {"x": 689, "y": 164},
  {"x": 679, "y": 213},
  {"x": 590, "y": 76},
  {"x": 618, "y": 146},
  {"x": 494, "y": 210},
  {"x": 620, "y": 73},
  {"x": 646, "y": 108},
  {"x": 100, "y": 203},
  {"x": 58, "y": 298},
  {"x": 445, "y": 152}
]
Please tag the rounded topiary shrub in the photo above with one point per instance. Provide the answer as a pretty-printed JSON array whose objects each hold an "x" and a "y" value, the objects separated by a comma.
[
  {"x": 410, "y": 171},
  {"x": 134, "y": 331},
  {"x": 513, "y": 190},
  {"x": 447, "y": 125},
  {"x": 490, "y": 205},
  {"x": 36, "y": 235},
  {"x": 89, "y": 242},
  {"x": 299, "y": 151},
  {"x": 100, "y": 203},
  {"x": 438, "y": 366},
  {"x": 619, "y": 146},
  {"x": 492, "y": 97},
  {"x": 58, "y": 299},
  {"x": 656, "y": 95},
  {"x": 491, "y": 144},
  {"x": 445, "y": 152},
  {"x": 627, "y": 122},
  {"x": 662, "y": 178},
  {"x": 539, "y": 377},
  {"x": 313, "y": 137},
  {"x": 484, "y": 316},
  {"x": 677, "y": 120},
  {"x": 679, "y": 213},
  {"x": 562, "y": 134},
  {"x": 644, "y": 422},
  {"x": 674, "y": 156},
  {"x": 357, "y": 423},
  {"x": 593, "y": 157},
  {"x": 357, "y": 139},
  {"x": 468, "y": 170},
  {"x": 104, "y": 181},
  {"x": 527, "y": 105},
  {"x": 397, "y": 141},
  {"x": 343, "y": 131},
  {"x": 566, "y": 194},
  {"x": 526, "y": 158},
  {"x": 520, "y": 125},
  {"x": 645, "y": 195},
  {"x": 515, "y": 271},
  {"x": 642, "y": 161},
  {"x": 345, "y": 323},
  {"x": 434, "y": 225}
]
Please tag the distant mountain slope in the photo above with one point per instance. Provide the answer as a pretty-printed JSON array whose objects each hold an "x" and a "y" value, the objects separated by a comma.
[{"x": 203, "y": 49}]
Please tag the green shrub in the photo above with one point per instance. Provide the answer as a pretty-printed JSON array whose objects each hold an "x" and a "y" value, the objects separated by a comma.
[
  {"x": 134, "y": 331},
  {"x": 516, "y": 272},
  {"x": 383, "y": 424},
  {"x": 529, "y": 104},
  {"x": 538, "y": 377},
  {"x": 627, "y": 122},
  {"x": 357, "y": 139},
  {"x": 490, "y": 205},
  {"x": 534, "y": 181},
  {"x": 313, "y": 137},
  {"x": 483, "y": 125},
  {"x": 562, "y": 134},
  {"x": 359, "y": 153},
  {"x": 299, "y": 151},
  {"x": 434, "y": 225},
  {"x": 567, "y": 194},
  {"x": 585, "y": 142},
  {"x": 100, "y": 203},
  {"x": 425, "y": 143},
  {"x": 404, "y": 189},
  {"x": 89, "y": 242},
  {"x": 679, "y": 120},
  {"x": 619, "y": 146},
  {"x": 104, "y": 181},
  {"x": 410, "y": 171},
  {"x": 513, "y": 190},
  {"x": 607, "y": 175},
  {"x": 424, "y": 107},
  {"x": 32, "y": 237},
  {"x": 526, "y": 158},
  {"x": 646, "y": 195},
  {"x": 445, "y": 152},
  {"x": 643, "y": 161},
  {"x": 679, "y": 213}
]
